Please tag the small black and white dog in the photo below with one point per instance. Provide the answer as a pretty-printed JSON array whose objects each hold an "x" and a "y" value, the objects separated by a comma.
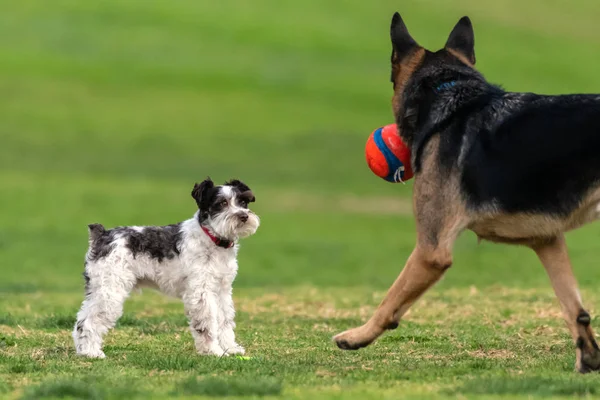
[{"x": 194, "y": 260}]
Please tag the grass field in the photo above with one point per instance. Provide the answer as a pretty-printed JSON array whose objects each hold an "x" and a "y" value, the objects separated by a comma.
[{"x": 111, "y": 110}]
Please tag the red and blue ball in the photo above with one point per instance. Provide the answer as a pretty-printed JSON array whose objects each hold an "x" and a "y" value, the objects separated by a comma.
[{"x": 387, "y": 155}]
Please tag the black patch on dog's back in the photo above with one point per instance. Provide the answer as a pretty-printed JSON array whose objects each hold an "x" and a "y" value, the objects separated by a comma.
[
  {"x": 159, "y": 242},
  {"x": 543, "y": 158}
]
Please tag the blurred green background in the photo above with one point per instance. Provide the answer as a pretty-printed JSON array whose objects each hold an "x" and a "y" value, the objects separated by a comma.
[{"x": 111, "y": 110}]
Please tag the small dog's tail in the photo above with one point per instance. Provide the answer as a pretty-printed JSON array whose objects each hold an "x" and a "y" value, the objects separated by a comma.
[{"x": 95, "y": 231}]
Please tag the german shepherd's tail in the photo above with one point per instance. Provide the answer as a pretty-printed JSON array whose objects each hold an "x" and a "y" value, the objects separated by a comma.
[{"x": 95, "y": 231}]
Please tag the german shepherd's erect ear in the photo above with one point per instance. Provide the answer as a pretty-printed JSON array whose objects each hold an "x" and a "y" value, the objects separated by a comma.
[
  {"x": 404, "y": 49},
  {"x": 402, "y": 42},
  {"x": 461, "y": 41}
]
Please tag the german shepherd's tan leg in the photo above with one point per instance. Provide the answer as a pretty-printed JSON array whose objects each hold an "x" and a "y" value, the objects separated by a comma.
[
  {"x": 555, "y": 259},
  {"x": 423, "y": 269},
  {"x": 440, "y": 218}
]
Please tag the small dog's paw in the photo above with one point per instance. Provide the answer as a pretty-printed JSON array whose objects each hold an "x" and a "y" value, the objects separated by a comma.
[
  {"x": 92, "y": 354},
  {"x": 236, "y": 349},
  {"x": 212, "y": 351}
]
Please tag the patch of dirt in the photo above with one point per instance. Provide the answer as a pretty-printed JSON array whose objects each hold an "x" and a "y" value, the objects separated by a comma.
[
  {"x": 500, "y": 307},
  {"x": 551, "y": 311},
  {"x": 289, "y": 306},
  {"x": 495, "y": 354},
  {"x": 9, "y": 330},
  {"x": 324, "y": 373}
]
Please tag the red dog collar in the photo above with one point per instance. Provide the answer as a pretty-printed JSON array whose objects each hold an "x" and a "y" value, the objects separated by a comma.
[{"x": 226, "y": 244}]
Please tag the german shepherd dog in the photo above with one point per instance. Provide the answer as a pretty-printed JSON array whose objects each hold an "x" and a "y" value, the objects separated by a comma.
[{"x": 518, "y": 168}]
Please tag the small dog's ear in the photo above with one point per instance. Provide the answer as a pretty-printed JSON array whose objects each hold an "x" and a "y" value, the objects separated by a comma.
[
  {"x": 462, "y": 39},
  {"x": 200, "y": 190},
  {"x": 402, "y": 42},
  {"x": 239, "y": 185},
  {"x": 249, "y": 196}
]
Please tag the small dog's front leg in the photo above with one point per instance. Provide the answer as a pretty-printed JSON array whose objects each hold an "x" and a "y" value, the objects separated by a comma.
[
  {"x": 227, "y": 335},
  {"x": 202, "y": 311}
]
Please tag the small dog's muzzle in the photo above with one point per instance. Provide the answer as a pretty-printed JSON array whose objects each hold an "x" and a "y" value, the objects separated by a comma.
[{"x": 243, "y": 217}]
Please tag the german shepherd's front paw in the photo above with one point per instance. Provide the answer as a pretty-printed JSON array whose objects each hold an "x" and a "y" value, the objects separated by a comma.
[{"x": 356, "y": 338}]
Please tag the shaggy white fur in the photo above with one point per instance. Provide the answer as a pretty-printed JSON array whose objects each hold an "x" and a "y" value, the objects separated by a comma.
[{"x": 180, "y": 260}]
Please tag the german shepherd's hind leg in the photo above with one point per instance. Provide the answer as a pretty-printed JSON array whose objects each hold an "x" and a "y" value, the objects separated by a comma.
[
  {"x": 423, "y": 268},
  {"x": 554, "y": 256}
]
